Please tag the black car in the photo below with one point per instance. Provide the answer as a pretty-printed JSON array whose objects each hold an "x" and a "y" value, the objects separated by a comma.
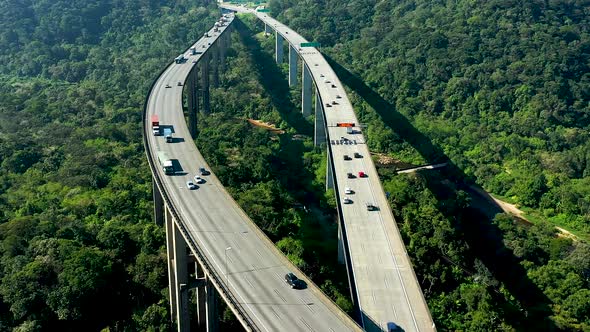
[
  {"x": 347, "y": 157},
  {"x": 357, "y": 155},
  {"x": 371, "y": 207},
  {"x": 350, "y": 175},
  {"x": 293, "y": 281},
  {"x": 204, "y": 171}
]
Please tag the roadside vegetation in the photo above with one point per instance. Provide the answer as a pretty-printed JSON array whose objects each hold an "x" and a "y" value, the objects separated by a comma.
[
  {"x": 78, "y": 247},
  {"x": 497, "y": 89}
]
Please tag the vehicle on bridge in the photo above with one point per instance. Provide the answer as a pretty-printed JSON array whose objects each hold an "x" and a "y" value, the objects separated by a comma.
[
  {"x": 294, "y": 282},
  {"x": 168, "y": 135},
  {"x": 166, "y": 163},
  {"x": 204, "y": 171},
  {"x": 155, "y": 125},
  {"x": 371, "y": 207},
  {"x": 180, "y": 59}
]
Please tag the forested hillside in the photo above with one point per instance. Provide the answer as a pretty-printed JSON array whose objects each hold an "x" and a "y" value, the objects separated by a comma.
[
  {"x": 499, "y": 88},
  {"x": 78, "y": 248}
]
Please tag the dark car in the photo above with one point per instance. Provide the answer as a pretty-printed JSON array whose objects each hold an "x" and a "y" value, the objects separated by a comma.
[
  {"x": 293, "y": 281},
  {"x": 350, "y": 175},
  {"x": 357, "y": 155},
  {"x": 347, "y": 157},
  {"x": 204, "y": 171},
  {"x": 393, "y": 327},
  {"x": 371, "y": 207}
]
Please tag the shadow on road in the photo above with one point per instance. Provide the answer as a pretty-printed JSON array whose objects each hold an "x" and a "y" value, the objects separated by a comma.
[{"x": 484, "y": 238}]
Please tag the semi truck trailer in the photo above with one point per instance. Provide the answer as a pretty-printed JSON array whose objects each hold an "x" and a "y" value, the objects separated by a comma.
[{"x": 166, "y": 163}]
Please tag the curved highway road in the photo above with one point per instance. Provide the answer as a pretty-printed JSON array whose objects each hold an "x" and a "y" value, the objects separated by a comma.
[
  {"x": 384, "y": 281},
  {"x": 213, "y": 222}
]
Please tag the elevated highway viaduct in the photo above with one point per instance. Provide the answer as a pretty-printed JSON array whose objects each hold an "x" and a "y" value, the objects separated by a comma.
[
  {"x": 214, "y": 249},
  {"x": 383, "y": 285}
]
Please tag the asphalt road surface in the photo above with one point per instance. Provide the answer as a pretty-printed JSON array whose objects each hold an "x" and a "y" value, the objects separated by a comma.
[
  {"x": 386, "y": 285},
  {"x": 253, "y": 268}
]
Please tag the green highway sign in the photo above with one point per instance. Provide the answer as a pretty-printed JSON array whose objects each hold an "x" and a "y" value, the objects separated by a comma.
[
  {"x": 312, "y": 44},
  {"x": 263, "y": 10}
]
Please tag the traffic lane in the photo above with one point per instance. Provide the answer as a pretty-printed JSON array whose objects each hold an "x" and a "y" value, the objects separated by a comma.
[
  {"x": 179, "y": 185},
  {"x": 251, "y": 274},
  {"x": 244, "y": 250},
  {"x": 372, "y": 267}
]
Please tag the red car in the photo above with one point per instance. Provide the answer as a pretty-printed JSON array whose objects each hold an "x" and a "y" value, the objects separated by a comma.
[{"x": 362, "y": 174}]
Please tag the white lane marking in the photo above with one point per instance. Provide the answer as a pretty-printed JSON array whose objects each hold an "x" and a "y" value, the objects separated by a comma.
[
  {"x": 396, "y": 265},
  {"x": 279, "y": 295},
  {"x": 306, "y": 324},
  {"x": 219, "y": 268},
  {"x": 275, "y": 313}
]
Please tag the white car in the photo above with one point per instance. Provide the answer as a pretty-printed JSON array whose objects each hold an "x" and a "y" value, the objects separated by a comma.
[
  {"x": 199, "y": 179},
  {"x": 347, "y": 200},
  {"x": 348, "y": 191},
  {"x": 190, "y": 185}
]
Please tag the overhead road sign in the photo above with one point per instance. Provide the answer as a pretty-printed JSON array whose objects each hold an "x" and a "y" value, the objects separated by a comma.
[
  {"x": 263, "y": 10},
  {"x": 310, "y": 44}
]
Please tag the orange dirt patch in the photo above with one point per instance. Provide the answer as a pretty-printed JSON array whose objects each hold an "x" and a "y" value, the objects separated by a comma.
[
  {"x": 266, "y": 125},
  {"x": 384, "y": 160}
]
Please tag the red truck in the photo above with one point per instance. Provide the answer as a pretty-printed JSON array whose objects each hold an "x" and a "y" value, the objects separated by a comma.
[{"x": 155, "y": 125}]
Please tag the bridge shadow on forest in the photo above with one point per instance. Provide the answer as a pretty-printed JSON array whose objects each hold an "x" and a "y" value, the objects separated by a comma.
[
  {"x": 272, "y": 79},
  {"x": 484, "y": 238}
]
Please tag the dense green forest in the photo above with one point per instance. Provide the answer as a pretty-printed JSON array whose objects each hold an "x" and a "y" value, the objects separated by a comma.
[
  {"x": 79, "y": 250},
  {"x": 499, "y": 89}
]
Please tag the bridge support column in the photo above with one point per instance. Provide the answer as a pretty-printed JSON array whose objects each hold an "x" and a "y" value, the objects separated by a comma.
[
  {"x": 201, "y": 298},
  {"x": 171, "y": 271},
  {"x": 329, "y": 174},
  {"x": 222, "y": 46},
  {"x": 319, "y": 132},
  {"x": 306, "y": 91},
  {"x": 292, "y": 65},
  {"x": 279, "y": 47},
  {"x": 205, "y": 84},
  {"x": 212, "y": 321},
  {"x": 340, "y": 245},
  {"x": 158, "y": 205},
  {"x": 193, "y": 101},
  {"x": 181, "y": 287},
  {"x": 214, "y": 65},
  {"x": 267, "y": 29}
]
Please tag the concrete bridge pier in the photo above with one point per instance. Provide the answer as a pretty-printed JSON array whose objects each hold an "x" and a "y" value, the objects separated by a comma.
[
  {"x": 292, "y": 65},
  {"x": 340, "y": 245},
  {"x": 278, "y": 47},
  {"x": 158, "y": 204},
  {"x": 267, "y": 29},
  {"x": 222, "y": 45},
  {"x": 211, "y": 307},
  {"x": 319, "y": 133},
  {"x": 193, "y": 101},
  {"x": 177, "y": 275},
  {"x": 329, "y": 174},
  {"x": 205, "y": 84},
  {"x": 306, "y": 91},
  {"x": 214, "y": 66}
]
